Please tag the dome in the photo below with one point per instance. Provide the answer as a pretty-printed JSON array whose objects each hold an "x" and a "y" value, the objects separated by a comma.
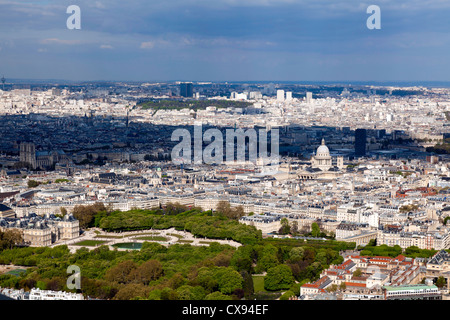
[{"x": 323, "y": 151}]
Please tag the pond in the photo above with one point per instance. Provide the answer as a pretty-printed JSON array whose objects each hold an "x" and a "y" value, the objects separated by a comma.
[{"x": 128, "y": 245}]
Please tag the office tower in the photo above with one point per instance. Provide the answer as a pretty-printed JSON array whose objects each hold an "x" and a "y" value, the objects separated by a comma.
[
  {"x": 280, "y": 95},
  {"x": 186, "y": 89},
  {"x": 308, "y": 97},
  {"x": 360, "y": 142},
  {"x": 289, "y": 95}
]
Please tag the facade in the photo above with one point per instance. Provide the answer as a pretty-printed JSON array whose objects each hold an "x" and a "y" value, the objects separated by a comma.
[
  {"x": 37, "y": 294},
  {"x": 423, "y": 240},
  {"x": 412, "y": 292},
  {"x": 41, "y": 159},
  {"x": 186, "y": 89},
  {"x": 322, "y": 158},
  {"x": 360, "y": 142},
  {"x": 267, "y": 223},
  {"x": 38, "y": 231}
]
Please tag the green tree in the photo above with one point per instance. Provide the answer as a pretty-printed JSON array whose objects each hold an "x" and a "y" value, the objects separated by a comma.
[
  {"x": 285, "y": 227},
  {"x": 132, "y": 291},
  {"x": 278, "y": 278},
  {"x": 296, "y": 254},
  {"x": 441, "y": 282},
  {"x": 10, "y": 238},
  {"x": 288, "y": 294},
  {"x": 216, "y": 295},
  {"x": 121, "y": 272},
  {"x": 357, "y": 273},
  {"x": 33, "y": 183},
  {"x": 85, "y": 214},
  {"x": 315, "y": 230},
  {"x": 228, "y": 279},
  {"x": 146, "y": 272}
]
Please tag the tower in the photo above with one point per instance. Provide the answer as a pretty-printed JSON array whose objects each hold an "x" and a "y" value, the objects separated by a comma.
[
  {"x": 280, "y": 95},
  {"x": 3, "y": 83},
  {"x": 360, "y": 142},
  {"x": 186, "y": 89},
  {"x": 308, "y": 97},
  {"x": 28, "y": 153}
]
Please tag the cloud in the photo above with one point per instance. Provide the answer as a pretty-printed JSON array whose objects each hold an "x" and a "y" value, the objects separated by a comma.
[
  {"x": 106, "y": 46},
  {"x": 147, "y": 45},
  {"x": 60, "y": 41}
]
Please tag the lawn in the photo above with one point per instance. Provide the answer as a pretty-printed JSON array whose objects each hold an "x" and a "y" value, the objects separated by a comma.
[
  {"x": 89, "y": 243},
  {"x": 258, "y": 283},
  {"x": 154, "y": 238}
]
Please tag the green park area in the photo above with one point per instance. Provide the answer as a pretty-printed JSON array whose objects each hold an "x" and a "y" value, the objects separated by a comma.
[{"x": 261, "y": 268}]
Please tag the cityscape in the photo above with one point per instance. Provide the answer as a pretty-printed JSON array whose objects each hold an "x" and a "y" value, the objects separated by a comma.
[{"x": 255, "y": 189}]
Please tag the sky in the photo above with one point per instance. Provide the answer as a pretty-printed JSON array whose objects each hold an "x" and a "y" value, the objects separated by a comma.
[{"x": 226, "y": 40}]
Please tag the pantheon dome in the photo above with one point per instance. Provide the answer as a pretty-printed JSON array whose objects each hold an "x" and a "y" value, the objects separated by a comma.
[{"x": 322, "y": 159}]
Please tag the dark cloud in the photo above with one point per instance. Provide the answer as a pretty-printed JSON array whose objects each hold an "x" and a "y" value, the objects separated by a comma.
[{"x": 225, "y": 40}]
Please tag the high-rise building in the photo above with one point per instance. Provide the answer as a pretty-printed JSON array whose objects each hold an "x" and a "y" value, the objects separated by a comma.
[
  {"x": 186, "y": 89},
  {"x": 280, "y": 95},
  {"x": 289, "y": 95},
  {"x": 308, "y": 97},
  {"x": 360, "y": 142}
]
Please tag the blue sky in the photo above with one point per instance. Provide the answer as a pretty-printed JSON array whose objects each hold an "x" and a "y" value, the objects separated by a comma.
[{"x": 226, "y": 40}]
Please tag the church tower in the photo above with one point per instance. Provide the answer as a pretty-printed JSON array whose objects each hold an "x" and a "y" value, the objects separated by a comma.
[{"x": 28, "y": 153}]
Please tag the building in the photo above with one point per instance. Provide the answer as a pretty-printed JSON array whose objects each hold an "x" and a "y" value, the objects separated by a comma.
[
  {"x": 360, "y": 142},
  {"x": 6, "y": 212},
  {"x": 186, "y": 89},
  {"x": 37, "y": 294},
  {"x": 288, "y": 95},
  {"x": 412, "y": 292},
  {"x": 322, "y": 159},
  {"x": 280, "y": 95},
  {"x": 308, "y": 97},
  {"x": 41, "y": 159},
  {"x": 28, "y": 153},
  {"x": 267, "y": 223},
  {"x": 40, "y": 231}
]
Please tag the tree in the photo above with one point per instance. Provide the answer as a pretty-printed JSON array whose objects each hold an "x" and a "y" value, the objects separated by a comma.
[
  {"x": 217, "y": 296},
  {"x": 146, "y": 272},
  {"x": 278, "y": 278},
  {"x": 296, "y": 254},
  {"x": 315, "y": 230},
  {"x": 247, "y": 284},
  {"x": 63, "y": 211},
  {"x": 132, "y": 291},
  {"x": 357, "y": 273},
  {"x": 224, "y": 208},
  {"x": 440, "y": 282},
  {"x": 342, "y": 286},
  {"x": 228, "y": 279},
  {"x": 332, "y": 288},
  {"x": 294, "y": 228},
  {"x": 285, "y": 228},
  {"x": 33, "y": 183},
  {"x": 86, "y": 214},
  {"x": 10, "y": 238},
  {"x": 288, "y": 294},
  {"x": 121, "y": 272}
]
